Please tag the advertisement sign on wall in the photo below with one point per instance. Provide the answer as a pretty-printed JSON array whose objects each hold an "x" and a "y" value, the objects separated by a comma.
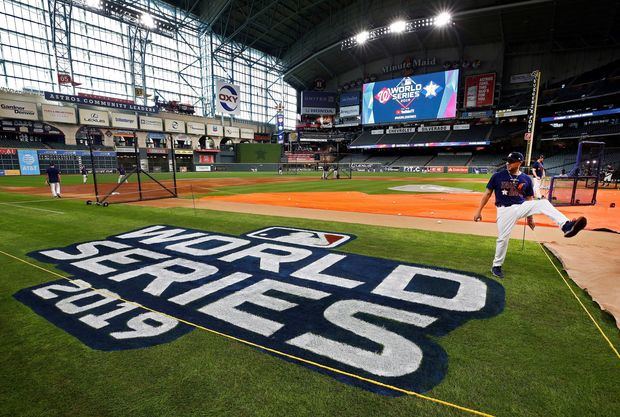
[
  {"x": 28, "y": 161},
  {"x": 215, "y": 130},
  {"x": 176, "y": 126},
  {"x": 205, "y": 159},
  {"x": 349, "y": 111},
  {"x": 246, "y": 133},
  {"x": 194, "y": 128},
  {"x": 227, "y": 98},
  {"x": 419, "y": 97},
  {"x": 58, "y": 114},
  {"x": 443, "y": 128},
  {"x": 124, "y": 121},
  {"x": 479, "y": 90},
  {"x": 350, "y": 99},
  {"x": 151, "y": 123},
  {"x": 94, "y": 117},
  {"x": 99, "y": 101},
  {"x": 318, "y": 102},
  {"x": 18, "y": 110},
  {"x": 231, "y": 132}
]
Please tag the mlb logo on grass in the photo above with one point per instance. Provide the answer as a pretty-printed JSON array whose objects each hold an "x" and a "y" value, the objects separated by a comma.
[
  {"x": 280, "y": 289},
  {"x": 302, "y": 237}
]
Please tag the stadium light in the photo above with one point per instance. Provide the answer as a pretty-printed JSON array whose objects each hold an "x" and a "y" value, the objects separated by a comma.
[
  {"x": 362, "y": 37},
  {"x": 398, "y": 26},
  {"x": 442, "y": 19},
  {"x": 147, "y": 20}
]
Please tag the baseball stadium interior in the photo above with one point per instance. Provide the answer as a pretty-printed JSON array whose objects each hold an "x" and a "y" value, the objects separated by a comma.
[{"x": 241, "y": 105}]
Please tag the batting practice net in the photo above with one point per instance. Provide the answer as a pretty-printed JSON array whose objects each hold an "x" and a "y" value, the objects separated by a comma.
[
  {"x": 573, "y": 191},
  {"x": 579, "y": 188},
  {"x": 141, "y": 174}
]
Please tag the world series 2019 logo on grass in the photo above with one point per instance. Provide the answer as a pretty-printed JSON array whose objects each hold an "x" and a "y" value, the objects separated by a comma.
[{"x": 281, "y": 288}]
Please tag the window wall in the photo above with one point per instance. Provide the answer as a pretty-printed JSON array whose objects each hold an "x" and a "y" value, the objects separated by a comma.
[{"x": 179, "y": 68}]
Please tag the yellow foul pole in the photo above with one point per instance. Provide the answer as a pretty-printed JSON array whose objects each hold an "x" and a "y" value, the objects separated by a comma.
[{"x": 531, "y": 119}]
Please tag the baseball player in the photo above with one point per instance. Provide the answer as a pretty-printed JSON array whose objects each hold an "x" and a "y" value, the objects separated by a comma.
[
  {"x": 122, "y": 174},
  {"x": 514, "y": 200},
  {"x": 538, "y": 171},
  {"x": 53, "y": 179},
  {"x": 84, "y": 173}
]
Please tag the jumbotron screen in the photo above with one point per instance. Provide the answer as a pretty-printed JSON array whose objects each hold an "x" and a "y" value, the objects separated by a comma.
[{"x": 413, "y": 98}]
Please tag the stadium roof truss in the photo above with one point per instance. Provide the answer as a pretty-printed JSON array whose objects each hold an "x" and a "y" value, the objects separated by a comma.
[{"x": 306, "y": 35}]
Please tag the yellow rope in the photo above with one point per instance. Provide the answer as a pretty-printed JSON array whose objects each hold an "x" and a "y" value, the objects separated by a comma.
[{"x": 274, "y": 351}]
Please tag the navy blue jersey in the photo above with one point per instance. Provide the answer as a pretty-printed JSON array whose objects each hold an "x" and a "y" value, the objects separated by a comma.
[
  {"x": 53, "y": 174},
  {"x": 84, "y": 172},
  {"x": 121, "y": 171},
  {"x": 539, "y": 168},
  {"x": 510, "y": 189}
]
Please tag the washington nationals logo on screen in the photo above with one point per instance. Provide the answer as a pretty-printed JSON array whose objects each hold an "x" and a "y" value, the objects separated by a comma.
[
  {"x": 420, "y": 97},
  {"x": 282, "y": 288}
]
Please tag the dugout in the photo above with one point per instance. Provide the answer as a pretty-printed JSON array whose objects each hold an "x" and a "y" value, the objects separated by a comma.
[
  {"x": 14, "y": 132},
  {"x": 88, "y": 133}
]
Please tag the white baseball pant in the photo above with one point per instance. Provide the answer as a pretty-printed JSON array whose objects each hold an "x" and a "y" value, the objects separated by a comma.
[
  {"x": 507, "y": 218},
  {"x": 55, "y": 187},
  {"x": 536, "y": 184}
]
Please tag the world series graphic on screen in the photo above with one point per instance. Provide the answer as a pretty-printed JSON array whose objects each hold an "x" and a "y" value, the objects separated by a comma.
[{"x": 413, "y": 98}]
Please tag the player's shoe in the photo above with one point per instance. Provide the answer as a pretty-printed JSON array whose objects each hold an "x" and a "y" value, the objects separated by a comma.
[
  {"x": 497, "y": 271},
  {"x": 571, "y": 228}
]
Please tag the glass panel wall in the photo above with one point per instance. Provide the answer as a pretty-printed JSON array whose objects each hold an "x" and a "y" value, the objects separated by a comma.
[{"x": 181, "y": 67}]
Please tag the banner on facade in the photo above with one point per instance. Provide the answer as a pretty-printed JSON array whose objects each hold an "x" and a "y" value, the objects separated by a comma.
[
  {"x": 194, "y": 128},
  {"x": 94, "y": 117},
  {"x": 18, "y": 110},
  {"x": 349, "y": 99},
  {"x": 58, "y": 114},
  {"x": 215, "y": 130},
  {"x": 246, "y": 133},
  {"x": 28, "y": 161},
  {"x": 151, "y": 123},
  {"x": 442, "y": 128},
  {"x": 479, "y": 90},
  {"x": 174, "y": 126},
  {"x": 464, "y": 126},
  {"x": 231, "y": 132},
  {"x": 349, "y": 111},
  {"x": 124, "y": 121},
  {"x": 100, "y": 102},
  {"x": 318, "y": 102},
  {"x": 227, "y": 98}
]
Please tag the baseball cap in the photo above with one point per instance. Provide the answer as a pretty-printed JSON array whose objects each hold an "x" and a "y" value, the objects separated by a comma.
[{"x": 514, "y": 157}]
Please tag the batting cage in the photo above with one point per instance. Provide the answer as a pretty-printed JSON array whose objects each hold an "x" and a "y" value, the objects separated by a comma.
[
  {"x": 141, "y": 174},
  {"x": 579, "y": 188}
]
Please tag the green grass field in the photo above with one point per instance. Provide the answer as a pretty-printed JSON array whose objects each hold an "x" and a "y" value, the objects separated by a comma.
[
  {"x": 39, "y": 180},
  {"x": 541, "y": 356}
]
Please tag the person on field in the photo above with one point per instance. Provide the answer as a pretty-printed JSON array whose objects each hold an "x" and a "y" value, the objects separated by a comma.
[
  {"x": 84, "y": 173},
  {"x": 53, "y": 180},
  {"x": 538, "y": 172},
  {"x": 122, "y": 174},
  {"x": 514, "y": 200}
]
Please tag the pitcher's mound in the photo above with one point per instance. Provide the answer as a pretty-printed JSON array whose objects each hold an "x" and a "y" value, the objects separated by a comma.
[{"x": 429, "y": 188}]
